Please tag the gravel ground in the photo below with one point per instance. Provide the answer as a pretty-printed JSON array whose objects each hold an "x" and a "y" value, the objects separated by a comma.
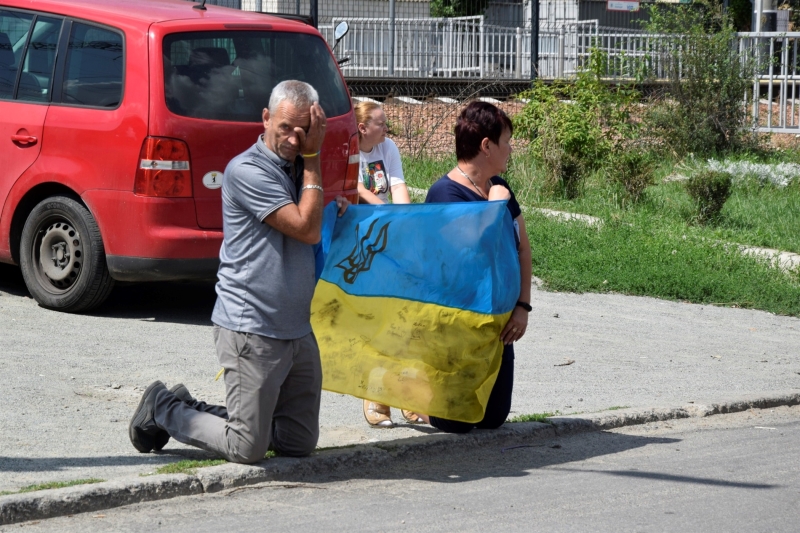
[{"x": 72, "y": 381}]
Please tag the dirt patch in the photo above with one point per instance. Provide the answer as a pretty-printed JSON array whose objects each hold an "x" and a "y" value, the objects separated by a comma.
[{"x": 427, "y": 129}]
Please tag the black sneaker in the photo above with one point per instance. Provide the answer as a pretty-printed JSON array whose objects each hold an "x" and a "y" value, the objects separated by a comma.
[
  {"x": 181, "y": 392},
  {"x": 142, "y": 428},
  {"x": 161, "y": 438}
]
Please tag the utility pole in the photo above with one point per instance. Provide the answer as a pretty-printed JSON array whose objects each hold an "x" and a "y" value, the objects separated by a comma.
[
  {"x": 391, "y": 38},
  {"x": 315, "y": 12},
  {"x": 534, "y": 39},
  {"x": 759, "y": 5}
]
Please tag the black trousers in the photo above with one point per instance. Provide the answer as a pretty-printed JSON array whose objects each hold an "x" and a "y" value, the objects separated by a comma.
[{"x": 499, "y": 404}]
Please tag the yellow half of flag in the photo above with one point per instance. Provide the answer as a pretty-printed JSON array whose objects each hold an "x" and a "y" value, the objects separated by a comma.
[{"x": 419, "y": 356}]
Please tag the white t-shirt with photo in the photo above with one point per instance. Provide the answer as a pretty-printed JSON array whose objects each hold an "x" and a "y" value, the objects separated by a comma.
[{"x": 381, "y": 169}]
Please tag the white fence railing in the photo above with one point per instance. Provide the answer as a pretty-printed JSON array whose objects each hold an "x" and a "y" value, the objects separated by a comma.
[
  {"x": 458, "y": 47},
  {"x": 778, "y": 110},
  {"x": 633, "y": 55},
  {"x": 466, "y": 47}
]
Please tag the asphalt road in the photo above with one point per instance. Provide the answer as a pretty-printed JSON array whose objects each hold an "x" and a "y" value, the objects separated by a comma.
[
  {"x": 71, "y": 382},
  {"x": 733, "y": 473}
]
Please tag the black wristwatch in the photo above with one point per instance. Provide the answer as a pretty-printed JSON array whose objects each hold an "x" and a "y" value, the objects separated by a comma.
[{"x": 525, "y": 306}]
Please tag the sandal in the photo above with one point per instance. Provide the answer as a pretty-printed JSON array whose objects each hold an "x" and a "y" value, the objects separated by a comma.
[
  {"x": 412, "y": 417},
  {"x": 377, "y": 415}
]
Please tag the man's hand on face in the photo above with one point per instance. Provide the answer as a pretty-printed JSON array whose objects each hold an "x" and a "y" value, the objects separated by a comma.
[{"x": 311, "y": 141}]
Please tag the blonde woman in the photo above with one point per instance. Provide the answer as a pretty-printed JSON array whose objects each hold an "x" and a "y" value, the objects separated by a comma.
[
  {"x": 381, "y": 169},
  {"x": 381, "y": 178}
]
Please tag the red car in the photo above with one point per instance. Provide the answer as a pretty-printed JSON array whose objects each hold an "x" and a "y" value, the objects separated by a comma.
[{"x": 119, "y": 118}]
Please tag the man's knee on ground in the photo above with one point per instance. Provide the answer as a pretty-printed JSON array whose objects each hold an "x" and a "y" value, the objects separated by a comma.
[{"x": 249, "y": 453}]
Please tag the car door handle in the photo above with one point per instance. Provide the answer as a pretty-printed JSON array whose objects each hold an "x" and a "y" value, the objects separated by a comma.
[{"x": 24, "y": 139}]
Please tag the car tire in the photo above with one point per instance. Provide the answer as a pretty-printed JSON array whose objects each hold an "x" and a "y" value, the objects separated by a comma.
[{"x": 62, "y": 257}]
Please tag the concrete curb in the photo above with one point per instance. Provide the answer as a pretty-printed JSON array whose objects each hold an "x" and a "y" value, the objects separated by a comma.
[{"x": 87, "y": 498}]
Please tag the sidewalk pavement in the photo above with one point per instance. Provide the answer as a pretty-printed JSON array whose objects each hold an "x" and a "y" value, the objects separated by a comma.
[{"x": 597, "y": 361}]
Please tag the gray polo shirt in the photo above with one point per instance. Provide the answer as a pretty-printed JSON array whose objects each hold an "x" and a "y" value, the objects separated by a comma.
[{"x": 266, "y": 279}]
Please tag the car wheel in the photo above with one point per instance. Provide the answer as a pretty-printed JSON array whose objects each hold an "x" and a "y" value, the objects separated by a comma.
[{"x": 62, "y": 257}]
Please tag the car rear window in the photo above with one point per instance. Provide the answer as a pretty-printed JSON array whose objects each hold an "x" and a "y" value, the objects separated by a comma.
[{"x": 229, "y": 75}]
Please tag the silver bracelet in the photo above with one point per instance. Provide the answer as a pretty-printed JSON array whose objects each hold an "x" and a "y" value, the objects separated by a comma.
[{"x": 312, "y": 187}]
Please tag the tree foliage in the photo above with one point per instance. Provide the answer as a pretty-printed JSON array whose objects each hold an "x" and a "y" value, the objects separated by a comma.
[
  {"x": 702, "y": 110},
  {"x": 458, "y": 8},
  {"x": 575, "y": 125}
]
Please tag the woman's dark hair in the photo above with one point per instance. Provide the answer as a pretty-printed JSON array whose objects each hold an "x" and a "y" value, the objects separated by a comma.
[{"x": 478, "y": 121}]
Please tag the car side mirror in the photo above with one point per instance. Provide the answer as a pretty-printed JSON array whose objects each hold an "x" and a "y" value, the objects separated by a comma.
[{"x": 339, "y": 32}]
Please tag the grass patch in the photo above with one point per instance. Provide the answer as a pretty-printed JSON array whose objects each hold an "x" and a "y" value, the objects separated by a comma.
[
  {"x": 762, "y": 216},
  {"x": 188, "y": 466},
  {"x": 617, "y": 407},
  {"x": 755, "y": 214},
  {"x": 52, "y": 485},
  {"x": 534, "y": 417},
  {"x": 422, "y": 172},
  {"x": 650, "y": 259}
]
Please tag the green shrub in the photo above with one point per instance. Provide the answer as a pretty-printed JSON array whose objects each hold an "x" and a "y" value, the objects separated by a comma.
[
  {"x": 564, "y": 170},
  {"x": 710, "y": 190},
  {"x": 573, "y": 125},
  {"x": 632, "y": 170},
  {"x": 701, "y": 112}
]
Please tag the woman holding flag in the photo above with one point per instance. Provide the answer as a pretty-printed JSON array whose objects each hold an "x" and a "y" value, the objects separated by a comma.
[{"x": 483, "y": 147}]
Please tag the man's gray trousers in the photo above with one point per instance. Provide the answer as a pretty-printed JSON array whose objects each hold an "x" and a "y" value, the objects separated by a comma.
[{"x": 273, "y": 390}]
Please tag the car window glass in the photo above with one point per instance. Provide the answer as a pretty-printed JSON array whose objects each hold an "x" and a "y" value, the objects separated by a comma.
[
  {"x": 94, "y": 67},
  {"x": 14, "y": 29},
  {"x": 40, "y": 58},
  {"x": 229, "y": 75}
]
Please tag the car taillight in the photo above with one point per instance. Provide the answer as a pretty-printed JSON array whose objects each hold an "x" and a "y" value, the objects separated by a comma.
[
  {"x": 351, "y": 177},
  {"x": 163, "y": 169}
]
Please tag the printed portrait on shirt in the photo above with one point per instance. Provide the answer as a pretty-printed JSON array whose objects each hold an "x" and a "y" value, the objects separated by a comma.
[{"x": 375, "y": 178}]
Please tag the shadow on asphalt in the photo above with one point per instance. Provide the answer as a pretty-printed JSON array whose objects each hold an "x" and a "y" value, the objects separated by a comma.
[
  {"x": 454, "y": 465},
  {"x": 11, "y": 281},
  {"x": 56, "y": 464},
  {"x": 180, "y": 302},
  {"x": 189, "y": 302},
  {"x": 459, "y": 465},
  {"x": 660, "y": 476}
]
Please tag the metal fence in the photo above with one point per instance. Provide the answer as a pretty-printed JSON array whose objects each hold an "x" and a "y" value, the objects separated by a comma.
[
  {"x": 774, "y": 102},
  {"x": 457, "y": 47},
  {"x": 632, "y": 55},
  {"x": 501, "y": 12},
  {"x": 406, "y": 38}
]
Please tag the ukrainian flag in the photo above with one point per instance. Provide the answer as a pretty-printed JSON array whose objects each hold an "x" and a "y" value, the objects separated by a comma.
[{"x": 411, "y": 302}]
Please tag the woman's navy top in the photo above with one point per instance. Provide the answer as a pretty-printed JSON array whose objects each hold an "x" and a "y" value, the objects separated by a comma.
[{"x": 447, "y": 190}]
